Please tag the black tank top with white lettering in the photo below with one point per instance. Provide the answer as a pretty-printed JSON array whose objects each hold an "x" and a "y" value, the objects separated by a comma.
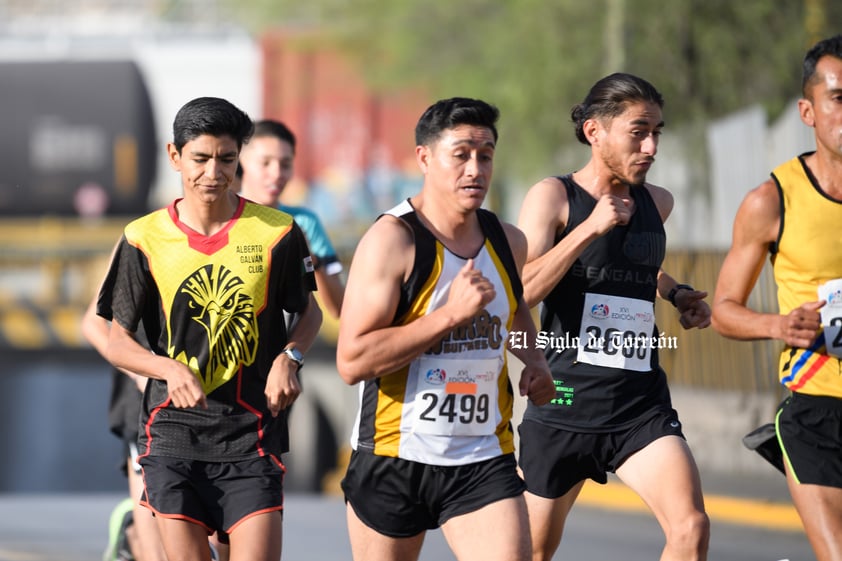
[{"x": 623, "y": 263}]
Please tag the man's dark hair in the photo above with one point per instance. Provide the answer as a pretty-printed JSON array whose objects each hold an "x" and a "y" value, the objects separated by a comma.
[
  {"x": 271, "y": 129},
  {"x": 832, "y": 46},
  {"x": 608, "y": 98},
  {"x": 274, "y": 129},
  {"x": 449, "y": 113},
  {"x": 213, "y": 116}
]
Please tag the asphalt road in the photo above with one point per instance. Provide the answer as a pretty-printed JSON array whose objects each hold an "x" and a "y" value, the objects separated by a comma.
[
  {"x": 58, "y": 491},
  {"x": 72, "y": 527}
]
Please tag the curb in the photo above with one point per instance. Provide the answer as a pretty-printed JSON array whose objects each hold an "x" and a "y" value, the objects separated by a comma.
[
  {"x": 616, "y": 495},
  {"x": 729, "y": 510}
]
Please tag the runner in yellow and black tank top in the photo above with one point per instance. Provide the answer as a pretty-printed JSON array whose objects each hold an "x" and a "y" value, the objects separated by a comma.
[
  {"x": 804, "y": 258},
  {"x": 405, "y": 414}
]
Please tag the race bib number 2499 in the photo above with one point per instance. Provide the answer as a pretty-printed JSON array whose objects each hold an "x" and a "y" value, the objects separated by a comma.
[{"x": 456, "y": 396}]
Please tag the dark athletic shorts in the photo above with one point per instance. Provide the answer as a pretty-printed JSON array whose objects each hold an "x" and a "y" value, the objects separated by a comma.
[
  {"x": 554, "y": 460},
  {"x": 215, "y": 495},
  {"x": 810, "y": 433},
  {"x": 400, "y": 498}
]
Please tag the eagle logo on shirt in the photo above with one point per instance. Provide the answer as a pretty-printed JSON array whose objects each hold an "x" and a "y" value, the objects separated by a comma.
[{"x": 216, "y": 323}]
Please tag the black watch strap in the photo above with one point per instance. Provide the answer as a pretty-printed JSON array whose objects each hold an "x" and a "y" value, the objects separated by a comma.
[{"x": 674, "y": 290}]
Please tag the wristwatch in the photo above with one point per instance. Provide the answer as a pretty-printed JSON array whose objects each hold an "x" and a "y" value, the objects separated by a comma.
[
  {"x": 295, "y": 356},
  {"x": 674, "y": 290}
]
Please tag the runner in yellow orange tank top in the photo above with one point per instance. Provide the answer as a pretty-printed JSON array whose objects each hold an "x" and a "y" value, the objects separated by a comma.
[
  {"x": 795, "y": 215},
  {"x": 807, "y": 261}
]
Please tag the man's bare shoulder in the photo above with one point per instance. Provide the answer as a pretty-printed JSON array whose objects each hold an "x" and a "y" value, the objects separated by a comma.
[
  {"x": 764, "y": 201},
  {"x": 545, "y": 199},
  {"x": 513, "y": 233},
  {"x": 549, "y": 187},
  {"x": 657, "y": 191},
  {"x": 663, "y": 198},
  {"x": 759, "y": 214},
  {"x": 517, "y": 241},
  {"x": 388, "y": 241}
]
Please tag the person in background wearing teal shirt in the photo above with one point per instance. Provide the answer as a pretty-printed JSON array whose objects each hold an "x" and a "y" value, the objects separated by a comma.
[{"x": 266, "y": 166}]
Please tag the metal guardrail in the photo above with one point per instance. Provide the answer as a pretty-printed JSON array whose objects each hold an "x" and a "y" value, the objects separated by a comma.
[
  {"x": 50, "y": 268},
  {"x": 33, "y": 239},
  {"x": 68, "y": 258}
]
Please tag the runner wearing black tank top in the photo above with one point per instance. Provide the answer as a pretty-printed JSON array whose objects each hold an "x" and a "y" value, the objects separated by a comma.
[{"x": 596, "y": 244}]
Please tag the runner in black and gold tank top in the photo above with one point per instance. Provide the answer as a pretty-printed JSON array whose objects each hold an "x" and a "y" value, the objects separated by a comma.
[{"x": 433, "y": 292}]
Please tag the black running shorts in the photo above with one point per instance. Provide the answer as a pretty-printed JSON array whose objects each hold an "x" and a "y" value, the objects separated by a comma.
[
  {"x": 400, "y": 498},
  {"x": 810, "y": 433},
  {"x": 216, "y": 495},
  {"x": 554, "y": 460}
]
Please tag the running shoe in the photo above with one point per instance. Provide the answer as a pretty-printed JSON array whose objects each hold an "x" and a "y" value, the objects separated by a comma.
[{"x": 118, "y": 544}]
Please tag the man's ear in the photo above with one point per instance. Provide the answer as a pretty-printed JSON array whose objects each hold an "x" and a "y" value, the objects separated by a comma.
[
  {"x": 806, "y": 111},
  {"x": 591, "y": 128},
  {"x": 173, "y": 156},
  {"x": 422, "y": 157}
]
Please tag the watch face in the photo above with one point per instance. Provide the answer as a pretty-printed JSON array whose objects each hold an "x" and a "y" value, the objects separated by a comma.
[{"x": 295, "y": 355}]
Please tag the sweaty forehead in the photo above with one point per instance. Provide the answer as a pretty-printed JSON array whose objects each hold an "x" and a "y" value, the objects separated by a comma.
[
  {"x": 472, "y": 135},
  {"x": 267, "y": 145},
  {"x": 211, "y": 145},
  {"x": 642, "y": 113},
  {"x": 829, "y": 73}
]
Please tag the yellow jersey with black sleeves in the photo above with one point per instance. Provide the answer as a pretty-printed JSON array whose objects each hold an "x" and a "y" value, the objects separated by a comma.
[
  {"x": 453, "y": 404},
  {"x": 807, "y": 265},
  {"x": 215, "y": 303}
]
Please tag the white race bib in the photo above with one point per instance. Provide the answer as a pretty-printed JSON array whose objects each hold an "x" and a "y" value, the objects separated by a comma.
[
  {"x": 456, "y": 396},
  {"x": 831, "y": 313},
  {"x": 617, "y": 332}
]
